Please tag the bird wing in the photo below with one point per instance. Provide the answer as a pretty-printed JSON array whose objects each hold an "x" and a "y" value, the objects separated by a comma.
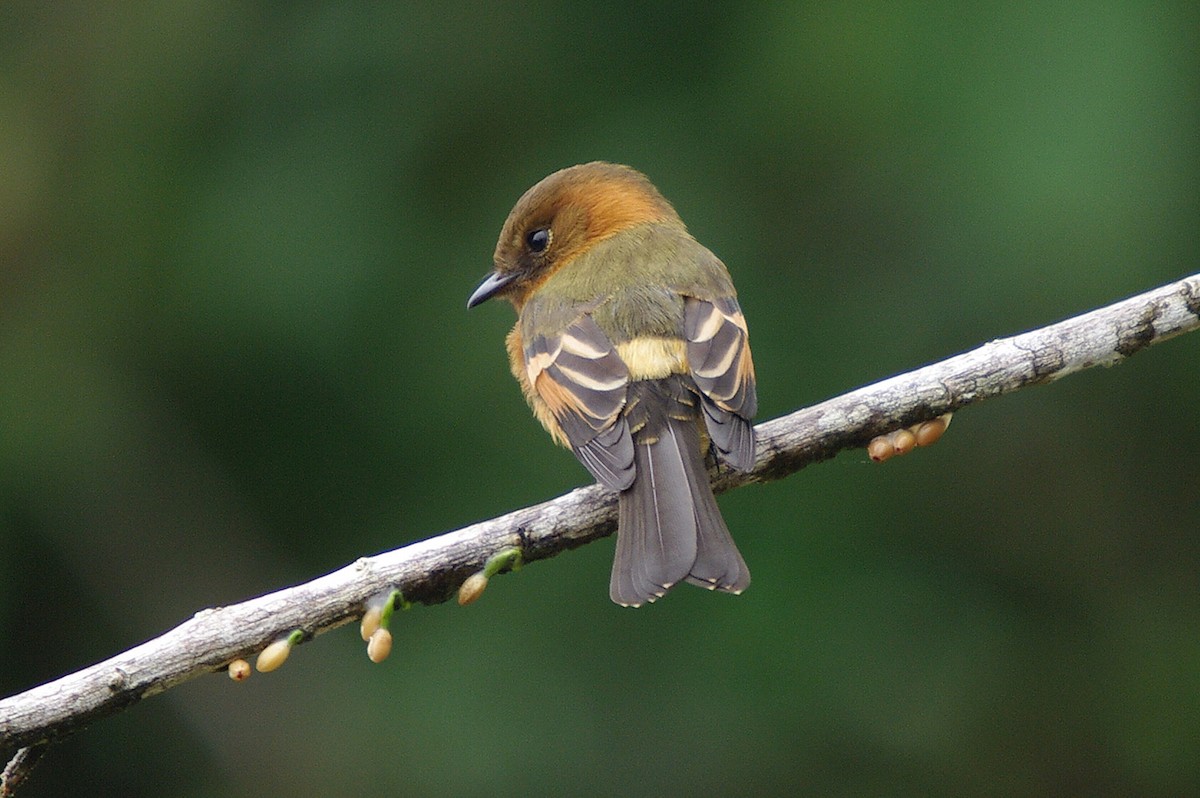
[
  {"x": 582, "y": 380},
  {"x": 718, "y": 351}
]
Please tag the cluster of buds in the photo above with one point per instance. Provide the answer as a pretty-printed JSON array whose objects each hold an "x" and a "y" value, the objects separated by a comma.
[
  {"x": 270, "y": 658},
  {"x": 903, "y": 441},
  {"x": 474, "y": 585},
  {"x": 375, "y": 621},
  {"x": 377, "y": 616}
]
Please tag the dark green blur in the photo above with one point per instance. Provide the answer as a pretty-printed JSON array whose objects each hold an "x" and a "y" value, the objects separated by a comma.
[{"x": 236, "y": 242}]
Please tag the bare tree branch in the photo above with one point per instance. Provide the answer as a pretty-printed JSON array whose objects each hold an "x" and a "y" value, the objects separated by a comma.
[
  {"x": 19, "y": 767},
  {"x": 431, "y": 570}
]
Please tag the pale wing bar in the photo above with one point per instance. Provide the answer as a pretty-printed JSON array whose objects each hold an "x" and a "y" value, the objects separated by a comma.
[
  {"x": 718, "y": 350},
  {"x": 583, "y": 381}
]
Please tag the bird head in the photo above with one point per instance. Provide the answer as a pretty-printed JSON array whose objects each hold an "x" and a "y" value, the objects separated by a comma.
[{"x": 563, "y": 216}]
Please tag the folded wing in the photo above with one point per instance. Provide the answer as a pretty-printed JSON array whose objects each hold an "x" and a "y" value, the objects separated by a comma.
[
  {"x": 718, "y": 350},
  {"x": 583, "y": 382}
]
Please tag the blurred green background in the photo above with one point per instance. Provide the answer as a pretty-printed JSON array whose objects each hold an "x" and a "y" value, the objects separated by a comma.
[{"x": 236, "y": 241}]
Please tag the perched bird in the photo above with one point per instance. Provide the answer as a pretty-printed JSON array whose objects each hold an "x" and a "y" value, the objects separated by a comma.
[{"x": 632, "y": 351}]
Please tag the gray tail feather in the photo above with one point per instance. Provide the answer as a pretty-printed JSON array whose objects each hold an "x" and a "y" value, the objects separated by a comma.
[{"x": 669, "y": 526}]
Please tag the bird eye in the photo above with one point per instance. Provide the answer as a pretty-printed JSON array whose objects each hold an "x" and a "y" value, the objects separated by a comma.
[{"x": 537, "y": 240}]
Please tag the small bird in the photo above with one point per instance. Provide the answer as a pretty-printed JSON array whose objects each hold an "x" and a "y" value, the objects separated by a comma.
[{"x": 633, "y": 352}]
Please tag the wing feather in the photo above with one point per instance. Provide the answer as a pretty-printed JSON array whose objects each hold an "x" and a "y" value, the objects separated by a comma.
[
  {"x": 582, "y": 380},
  {"x": 718, "y": 351}
]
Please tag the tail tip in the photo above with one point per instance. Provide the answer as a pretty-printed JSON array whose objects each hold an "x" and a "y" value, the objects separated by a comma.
[{"x": 623, "y": 600}]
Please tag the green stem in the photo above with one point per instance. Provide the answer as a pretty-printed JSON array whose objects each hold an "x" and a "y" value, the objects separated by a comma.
[{"x": 508, "y": 559}]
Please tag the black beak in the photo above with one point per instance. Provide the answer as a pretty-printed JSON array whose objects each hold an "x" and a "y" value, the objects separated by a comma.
[{"x": 491, "y": 286}]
